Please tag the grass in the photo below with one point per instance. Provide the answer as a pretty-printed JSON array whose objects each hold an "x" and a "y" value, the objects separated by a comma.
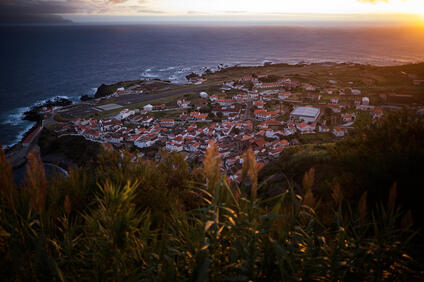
[{"x": 161, "y": 221}]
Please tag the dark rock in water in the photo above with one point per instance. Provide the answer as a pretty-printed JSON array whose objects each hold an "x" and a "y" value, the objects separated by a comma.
[
  {"x": 34, "y": 113},
  {"x": 85, "y": 98},
  {"x": 105, "y": 90},
  {"x": 207, "y": 71},
  {"x": 192, "y": 75}
]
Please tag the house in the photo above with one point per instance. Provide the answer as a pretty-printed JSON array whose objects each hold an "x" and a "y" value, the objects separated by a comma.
[
  {"x": 197, "y": 80},
  {"x": 147, "y": 121},
  {"x": 201, "y": 117},
  {"x": 258, "y": 104},
  {"x": 253, "y": 94},
  {"x": 365, "y": 101},
  {"x": 357, "y": 100},
  {"x": 338, "y": 132},
  {"x": 137, "y": 119},
  {"x": 323, "y": 128},
  {"x": 194, "y": 147},
  {"x": 167, "y": 122},
  {"x": 305, "y": 128},
  {"x": 146, "y": 140},
  {"x": 309, "y": 87},
  {"x": 275, "y": 152},
  {"x": 355, "y": 91},
  {"x": 148, "y": 108},
  {"x": 269, "y": 85},
  {"x": 92, "y": 134},
  {"x": 246, "y": 78},
  {"x": 330, "y": 91},
  {"x": 262, "y": 115},
  {"x": 120, "y": 91},
  {"x": 307, "y": 114},
  {"x": 335, "y": 108},
  {"x": 183, "y": 104},
  {"x": 270, "y": 133},
  {"x": 284, "y": 95},
  {"x": 113, "y": 138},
  {"x": 334, "y": 100},
  {"x": 204, "y": 95},
  {"x": 225, "y": 102},
  {"x": 125, "y": 113},
  {"x": 377, "y": 113},
  {"x": 173, "y": 146},
  {"x": 348, "y": 117},
  {"x": 160, "y": 107}
]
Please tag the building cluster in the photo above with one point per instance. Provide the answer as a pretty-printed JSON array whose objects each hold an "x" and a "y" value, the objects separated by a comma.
[{"x": 239, "y": 117}]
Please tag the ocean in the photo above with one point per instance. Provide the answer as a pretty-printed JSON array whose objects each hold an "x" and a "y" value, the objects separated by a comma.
[{"x": 40, "y": 62}]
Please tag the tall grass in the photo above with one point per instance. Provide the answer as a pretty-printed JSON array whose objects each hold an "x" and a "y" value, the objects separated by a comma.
[{"x": 159, "y": 221}]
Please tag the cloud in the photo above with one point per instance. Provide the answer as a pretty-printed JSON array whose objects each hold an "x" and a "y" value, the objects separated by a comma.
[
  {"x": 117, "y": 1},
  {"x": 149, "y": 11},
  {"x": 373, "y": 1}
]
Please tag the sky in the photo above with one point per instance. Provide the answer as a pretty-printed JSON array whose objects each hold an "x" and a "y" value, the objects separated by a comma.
[{"x": 359, "y": 11}]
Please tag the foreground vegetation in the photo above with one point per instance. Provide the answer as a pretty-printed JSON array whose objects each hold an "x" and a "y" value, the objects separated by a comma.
[{"x": 146, "y": 220}]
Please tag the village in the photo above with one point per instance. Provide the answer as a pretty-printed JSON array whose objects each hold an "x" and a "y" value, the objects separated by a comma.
[{"x": 257, "y": 111}]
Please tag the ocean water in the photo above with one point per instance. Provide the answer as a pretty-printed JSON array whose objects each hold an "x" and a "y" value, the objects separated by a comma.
[{"x": 39, "y": 62}]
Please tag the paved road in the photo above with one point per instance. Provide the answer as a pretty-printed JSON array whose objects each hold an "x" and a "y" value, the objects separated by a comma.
[
  {"x": 140, "y": 98},
  {"x": 81, "y": 110}
]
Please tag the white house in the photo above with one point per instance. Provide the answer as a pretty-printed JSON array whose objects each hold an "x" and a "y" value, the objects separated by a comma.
[
  {"x": 305, "y": 128},
  {"x": 120, "y": 91},
  {"x": 323, "y": 128},
  {"x": 173, "y": 146},
  {"x": 204, "y": 95},
  {"x": 167, "y": 122},
  {"x": 377, "y": 113},
  {"x": 355, "y": 91},
  {"x": 148, "y": 108},
  {"x": 365, "y": 101},
  {"x": 125, "y": 113},
  {"x": 348, "y": 117},
  {"x": 338, "y": 132},
  {"x": 258, "y": 104},
  {"x": 146, "y": 141},
  {"x": 307, "y": 114},
  {"x": 183, "y": 103},
  {"x": 334, "y": 100},
  {"x": 262, "y": 115},
  {"x": 284, "y": 95}
]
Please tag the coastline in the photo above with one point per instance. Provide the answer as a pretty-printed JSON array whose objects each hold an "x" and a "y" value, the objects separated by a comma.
[{"x": 16, "y": 118}]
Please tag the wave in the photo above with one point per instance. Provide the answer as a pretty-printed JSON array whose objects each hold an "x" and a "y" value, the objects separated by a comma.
[
  {"x": 15, "y": 116},
  {"x": 26, "y": 126},
  {"x": 167, "y": 69}
]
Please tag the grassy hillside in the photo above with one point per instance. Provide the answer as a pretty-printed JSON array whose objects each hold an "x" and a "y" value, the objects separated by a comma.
[{"x": 161, "y": 220}]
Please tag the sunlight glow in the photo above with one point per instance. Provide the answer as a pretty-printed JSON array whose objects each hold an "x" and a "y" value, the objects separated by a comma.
[{"x": 289, "y": 6}]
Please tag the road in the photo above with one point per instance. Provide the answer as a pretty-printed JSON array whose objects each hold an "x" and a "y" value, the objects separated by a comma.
[
  {"x": 82, "y": 110},
  {"x": 140, "y": 98}
]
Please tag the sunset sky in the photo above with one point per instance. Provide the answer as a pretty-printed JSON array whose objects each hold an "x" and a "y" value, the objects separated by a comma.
[{"x": 397, "y": 11}]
